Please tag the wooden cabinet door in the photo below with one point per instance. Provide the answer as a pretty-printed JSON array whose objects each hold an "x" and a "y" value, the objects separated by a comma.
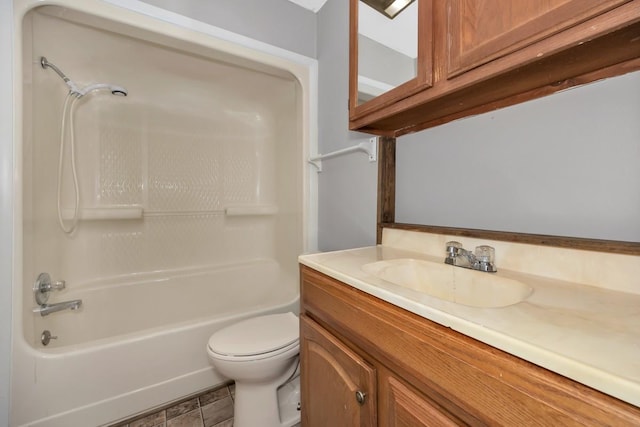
[
  {"x": 480, "y": 31},
  {"x": 331, "y": 376},
  {"x": 402, "y": 406}
]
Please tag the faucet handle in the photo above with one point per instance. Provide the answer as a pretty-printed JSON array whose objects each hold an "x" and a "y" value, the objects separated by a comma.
[
  {"x": 57, "y": 285},
  {"x": 486, "y": 257},
  {"x": 453, "y": 248},
  {"x": 44, "y": 285},
  {"x": 485, "y": 253}
]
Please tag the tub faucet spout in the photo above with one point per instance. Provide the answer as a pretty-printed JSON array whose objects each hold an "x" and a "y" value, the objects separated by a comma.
[{"x": 46, "y": 309}]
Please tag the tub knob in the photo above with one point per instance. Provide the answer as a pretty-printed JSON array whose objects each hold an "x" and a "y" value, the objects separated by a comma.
[
  {"x": 46, "y": 337},
  {"x": 43, "y": 286}
]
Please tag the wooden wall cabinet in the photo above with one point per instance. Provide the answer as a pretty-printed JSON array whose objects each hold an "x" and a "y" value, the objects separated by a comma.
[
  {"x": 424, "y": 64},
  {"x": 418, "y": 373},
  {"x": 481, "y": 31},
  {"x": 483, "y": 54}
]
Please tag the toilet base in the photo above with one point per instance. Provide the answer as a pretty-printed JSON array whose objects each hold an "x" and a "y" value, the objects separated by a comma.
[
  {"x": 266, "y": 406},
  {"x": 289, "y": 402}
]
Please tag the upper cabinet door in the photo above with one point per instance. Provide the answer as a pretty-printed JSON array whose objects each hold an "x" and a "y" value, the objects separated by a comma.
[
  {"x": 480, "y": 31},
  {"x": 389, "y": 59}
]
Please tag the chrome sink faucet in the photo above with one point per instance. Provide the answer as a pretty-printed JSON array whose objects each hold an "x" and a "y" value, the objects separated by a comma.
[{"x": 482, "y": 259}]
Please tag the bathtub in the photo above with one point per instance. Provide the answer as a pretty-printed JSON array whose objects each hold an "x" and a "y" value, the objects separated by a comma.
[
  {"x": 151, "y": 350},
  {"x": 146, "y": 305},
  {"x": 193, "y": 210}
]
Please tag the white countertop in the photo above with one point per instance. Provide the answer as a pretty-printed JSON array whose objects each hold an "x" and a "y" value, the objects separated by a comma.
[{"x": 586, "y": 333}]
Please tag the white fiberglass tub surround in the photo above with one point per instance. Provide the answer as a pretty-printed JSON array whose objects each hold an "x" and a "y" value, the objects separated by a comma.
[{"x": 192, "y": 194}]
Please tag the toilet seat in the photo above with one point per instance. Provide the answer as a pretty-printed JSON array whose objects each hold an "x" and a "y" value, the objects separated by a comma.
[
  {"x": 254, "y": 357},
  {"x": 256, "y": 338}
]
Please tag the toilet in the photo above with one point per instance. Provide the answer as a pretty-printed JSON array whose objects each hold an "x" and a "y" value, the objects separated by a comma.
[{"x": 261, "y": 355}]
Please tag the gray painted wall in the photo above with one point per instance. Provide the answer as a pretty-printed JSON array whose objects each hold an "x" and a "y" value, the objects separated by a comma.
[
  {"x": 347, "y": 184},
  {"x": 277, "y": 22},
  {"x": 567, "y": 164}
]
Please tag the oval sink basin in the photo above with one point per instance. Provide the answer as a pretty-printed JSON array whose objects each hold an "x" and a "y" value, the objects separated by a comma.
[{"x": 455, "y": 284}]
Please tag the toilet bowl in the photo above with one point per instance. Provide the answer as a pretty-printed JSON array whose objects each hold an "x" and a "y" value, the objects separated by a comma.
[{"x": 260, "y": 354}]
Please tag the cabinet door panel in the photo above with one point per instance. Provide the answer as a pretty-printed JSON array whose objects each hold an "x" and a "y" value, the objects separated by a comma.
[
  {"x": 408, "y": 408},
  {"x": 333, "y": 374},
  {"x": 482, "y": 30}
]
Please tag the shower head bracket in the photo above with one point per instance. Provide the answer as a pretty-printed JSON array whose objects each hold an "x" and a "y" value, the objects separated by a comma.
[{"x": 72, "y": 86}]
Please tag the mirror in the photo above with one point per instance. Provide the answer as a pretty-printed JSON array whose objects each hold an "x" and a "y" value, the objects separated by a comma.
[
  {"x": 390, "y": 59},
  {"x": 387, "y": 50},
  {"x": 560, "y": 171}
]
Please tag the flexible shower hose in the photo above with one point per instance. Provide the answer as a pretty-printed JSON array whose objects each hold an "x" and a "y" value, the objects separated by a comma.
[{"x": 68, "y": 106}]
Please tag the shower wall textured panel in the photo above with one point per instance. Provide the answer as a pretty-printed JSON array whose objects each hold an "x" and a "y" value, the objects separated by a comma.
[
  {"x": 120, "y": 173},
  {"x": 184, "y": 173},
  {"x": 195, "y": 136},
  {"x": 175, "y": 242}
]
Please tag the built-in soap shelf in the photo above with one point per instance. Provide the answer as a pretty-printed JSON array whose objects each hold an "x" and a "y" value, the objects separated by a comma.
[
  {"x": 236, "y": 210},
  {"x": 109, "y": 212},
  {"x": 121, "y": 212},
  {"x": 251, "y": 210}
]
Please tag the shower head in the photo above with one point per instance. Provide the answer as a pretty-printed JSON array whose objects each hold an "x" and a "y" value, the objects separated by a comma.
[
  {"x": 73, "y": 88},
  {"x": 115, "y": 90}
]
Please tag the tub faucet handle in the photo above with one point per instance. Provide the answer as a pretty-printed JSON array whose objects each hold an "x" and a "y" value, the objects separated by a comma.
[
  {"x": 44, "y": 285},
  {"x": 57, "y": 286}
]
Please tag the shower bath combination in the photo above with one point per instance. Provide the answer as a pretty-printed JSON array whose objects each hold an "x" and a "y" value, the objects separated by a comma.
[
  {"x": 192, "y": 208},
  {"x": 74, "y": 94}
]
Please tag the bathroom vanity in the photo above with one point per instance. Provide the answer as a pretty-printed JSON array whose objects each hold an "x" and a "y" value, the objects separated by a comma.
[{"x": 374, "y": 353}]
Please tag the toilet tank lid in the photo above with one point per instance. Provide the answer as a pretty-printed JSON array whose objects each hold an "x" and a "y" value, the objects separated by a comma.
[{"x": 256, "y": 335}]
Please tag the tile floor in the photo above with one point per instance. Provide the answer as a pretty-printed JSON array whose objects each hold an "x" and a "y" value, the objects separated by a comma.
[{"x": 212, "y": 408}]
